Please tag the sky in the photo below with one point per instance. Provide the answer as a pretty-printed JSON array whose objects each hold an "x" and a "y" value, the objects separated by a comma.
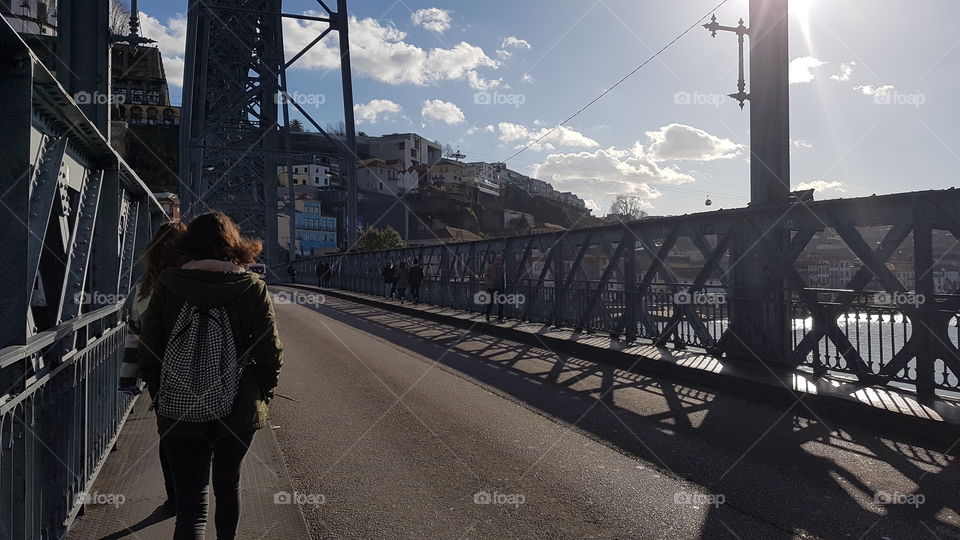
[{"x": 874, "y": 85}]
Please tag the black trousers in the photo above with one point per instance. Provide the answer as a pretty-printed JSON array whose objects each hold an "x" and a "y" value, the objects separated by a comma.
[
  {"x": 494, "y": 293},
  {"x": 190, "y": 460},
  {"x": 415, "y": 292}
]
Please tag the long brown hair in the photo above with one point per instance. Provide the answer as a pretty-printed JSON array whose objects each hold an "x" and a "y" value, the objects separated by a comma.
[
  {"x": 215, "y": 236},
  {"x": 161, "y": 253}
]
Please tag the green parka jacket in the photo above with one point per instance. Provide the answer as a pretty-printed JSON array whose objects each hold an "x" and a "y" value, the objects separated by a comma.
[{"x": 246, "y": 300}]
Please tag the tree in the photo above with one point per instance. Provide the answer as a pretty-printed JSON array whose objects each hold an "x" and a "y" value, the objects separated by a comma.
[
  {"x": 629, "y": 206},
  {"x": 119, "y": 18},
  {"x": 296, "y": 126},
  {"x": 447, "y": 150},
  {"x": 339, "y": 128},
  {"x": 372, "y": 239}
]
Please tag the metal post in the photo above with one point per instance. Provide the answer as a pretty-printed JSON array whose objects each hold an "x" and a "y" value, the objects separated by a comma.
[
  {"x": 925, "y": 326},
  {"x": 630, "y": 287},
  {"x": 342, "y": 23},
  {"x": 769, "y": 102}
]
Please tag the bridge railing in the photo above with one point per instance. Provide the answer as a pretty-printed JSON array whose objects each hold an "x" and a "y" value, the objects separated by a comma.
[
  {"x": 75, "y": 219},
  {"x": 731, "y": 282}
]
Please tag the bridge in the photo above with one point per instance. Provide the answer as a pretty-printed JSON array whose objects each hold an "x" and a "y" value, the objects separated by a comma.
[{"x": 618, "y": 399}]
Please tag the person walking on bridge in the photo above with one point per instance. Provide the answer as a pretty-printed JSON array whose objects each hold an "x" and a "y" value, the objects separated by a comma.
[
  {"x": 161, "y": 253},
  {"x": 403, "y": 281},
  {"x": 211, "y": 355},
  {"x": 389, "y": 280},
  {"x": 322, "y": 270},
  {"x": 495, "y": 283},
  {"x": 415, "y": 276}
]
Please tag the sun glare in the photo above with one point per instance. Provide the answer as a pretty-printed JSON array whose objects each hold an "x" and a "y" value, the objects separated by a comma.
[{"x": 801, "y": 9}]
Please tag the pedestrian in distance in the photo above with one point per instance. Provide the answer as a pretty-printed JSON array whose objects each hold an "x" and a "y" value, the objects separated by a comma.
[
  {"x": 292, "y": 272},
  {"x": 403, "y": 281},
  {"x": 162, "y": 252},
  {"x": 495, "y": 283},
  {"x": 389, "y": 280},
  {"x": 321, "y": 272},
  {"x": 415, "y": 276},
  {"x": 327, "y": 275},
  {"x": 210, "y": 354}
]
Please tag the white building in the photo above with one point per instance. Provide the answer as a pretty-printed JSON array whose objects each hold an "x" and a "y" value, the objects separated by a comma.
[
  {"x": 312, "y": 174},
  {"x": 388, "y": 178}
]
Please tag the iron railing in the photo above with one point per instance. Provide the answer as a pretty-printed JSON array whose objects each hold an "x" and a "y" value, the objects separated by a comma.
[
  {"x": 728, "y": 282},
  {"x": 75, "y": 220}
]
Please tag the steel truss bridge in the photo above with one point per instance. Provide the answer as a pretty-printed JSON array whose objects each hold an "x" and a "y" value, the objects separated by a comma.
[
  {"x": 75, "y": 219},
  {"x": 618, "y": 280}
]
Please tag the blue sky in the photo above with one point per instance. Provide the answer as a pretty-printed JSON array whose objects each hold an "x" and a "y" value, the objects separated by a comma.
[{"x": 873, "y": 101}]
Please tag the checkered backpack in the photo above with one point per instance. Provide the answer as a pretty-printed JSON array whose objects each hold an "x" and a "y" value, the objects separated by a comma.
[{"x": 201, "y": 370}]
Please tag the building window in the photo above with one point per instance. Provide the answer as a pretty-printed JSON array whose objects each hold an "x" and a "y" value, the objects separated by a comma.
[
  {"x": 153, "y": 97},
  {"x": 152, "y": 115},
  {"x": 168, "y": 116},
  {"x": 136, "y": 115},
  {"x": 136, "y": 95}
]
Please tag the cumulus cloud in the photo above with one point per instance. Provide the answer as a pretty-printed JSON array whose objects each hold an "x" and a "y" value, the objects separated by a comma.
[
  {"x": 846, "y": 71},
  {"x": 528, "y": 78},
  {"x": 801, "y": 69},
  {"x": 375, "y": 109},
  {"x": 477, "y": 82},
  {"x": 514, "y": 42},
  {"x": 171, "y": 38},
  {"x": 442, "y": 111},
  {"x": 563, "y": 137},
  {"x": 821, "y": 185},
  {"x": 802, "y": 144},
  {"x": 381, "y": 53},
  {"x": 434, "y": 19},
  {"x": 681, "y": 142},
  {"x": 604, "y": 173},
  {"x": 871, "y": 90}
]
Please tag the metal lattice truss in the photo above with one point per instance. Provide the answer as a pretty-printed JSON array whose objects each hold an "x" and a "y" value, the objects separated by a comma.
[
  {"x": 75, "y": 220},
  {"x": 727, "y": 282},
  {"x": 230, "y": 105}
]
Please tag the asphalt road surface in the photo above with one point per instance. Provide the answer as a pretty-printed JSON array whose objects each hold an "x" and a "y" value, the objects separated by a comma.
[{"x": 404, "y": 428}]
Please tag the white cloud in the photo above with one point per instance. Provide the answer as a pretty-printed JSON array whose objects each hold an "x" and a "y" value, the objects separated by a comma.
[
  {"x": 871, "y": 90},
  {"x": 376, "y": 109},
  {"x": 681, "y": 142},
  {"x": 442, "y": 111},
  {"x": 528, "y": 78},
  {"x": 380, "y": 53},
  {"x": 434, "y": 19},
  {"x": 801, "y": 69},
  {"x": 592, "y": 205},
  {"x": 514, "y": 42},
  {"x": 490, "y": 128},
  {"x": 846, "y": 71},
  {"x": 504, "y": 54},
  {"x": 604, "y": 173},
  {"x": 821, "y": 185},
  {"x": 477, "y": 82},
  {"x": 802, "y": 143},
  {"x": 171, "y": 39},
  {"x": 563, "y": 137}
]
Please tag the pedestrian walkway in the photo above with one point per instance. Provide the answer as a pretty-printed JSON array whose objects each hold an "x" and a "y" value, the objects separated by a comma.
[
  {"x": 128, "y": 492},
  {"x": 879, "y": 406}
]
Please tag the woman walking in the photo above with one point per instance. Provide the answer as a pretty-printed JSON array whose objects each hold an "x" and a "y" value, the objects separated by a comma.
[
  {"x": 211, "y": 355},
  {"x": 161, "y": 253}
]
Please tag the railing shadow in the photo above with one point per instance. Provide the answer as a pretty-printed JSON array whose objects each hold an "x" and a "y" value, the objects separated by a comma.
[{"x": 787, "y": 468}]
